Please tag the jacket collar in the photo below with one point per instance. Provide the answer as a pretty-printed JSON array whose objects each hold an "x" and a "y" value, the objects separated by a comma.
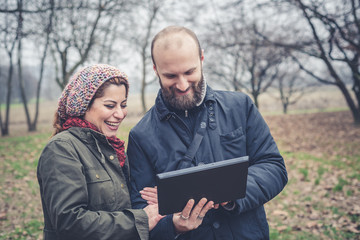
[{"x": 164, "y": 112}]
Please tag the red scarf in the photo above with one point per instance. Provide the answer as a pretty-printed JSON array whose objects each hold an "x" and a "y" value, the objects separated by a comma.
[{"x": 115, "y": 142}]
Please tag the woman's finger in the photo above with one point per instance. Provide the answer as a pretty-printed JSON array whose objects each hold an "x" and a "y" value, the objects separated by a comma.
[{"x": 150, "y": 195}]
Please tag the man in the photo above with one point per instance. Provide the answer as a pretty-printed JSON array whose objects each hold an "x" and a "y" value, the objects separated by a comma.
[{"x": 234, "y": 128}]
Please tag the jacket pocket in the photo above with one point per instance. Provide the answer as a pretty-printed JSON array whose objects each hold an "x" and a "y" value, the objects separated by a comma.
[
  {"x": 101, "y": 192},
  {"x": 233, "y": 144}
]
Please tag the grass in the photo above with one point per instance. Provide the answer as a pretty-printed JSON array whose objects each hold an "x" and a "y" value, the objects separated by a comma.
[
  {"x": 19, "y": 190},
  {"x": 318, "y": 195},
  {"x": 20, "y": 154},
  {"x": 317, "y": 199},
  {"x": 306, "y": 111}
]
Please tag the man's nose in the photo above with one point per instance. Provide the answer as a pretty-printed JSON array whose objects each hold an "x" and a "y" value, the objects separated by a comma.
[{"x": 182, "y": 83}]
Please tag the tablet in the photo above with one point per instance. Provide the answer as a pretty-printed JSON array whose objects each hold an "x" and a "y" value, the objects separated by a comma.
[{"x": 219, "y": 182}]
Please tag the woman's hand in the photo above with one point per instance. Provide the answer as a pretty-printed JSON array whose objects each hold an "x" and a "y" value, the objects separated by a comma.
[
  {"x": 189, "y": 220},
  {"x": 154, "y": 217},
  {"x": 150, "y": 195}
]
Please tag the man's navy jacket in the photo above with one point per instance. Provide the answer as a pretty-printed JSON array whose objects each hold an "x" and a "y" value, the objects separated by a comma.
[{"x": 235, "y": 128}]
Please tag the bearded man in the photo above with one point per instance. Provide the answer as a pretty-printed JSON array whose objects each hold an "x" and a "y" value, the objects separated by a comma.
[{"x": 233, "y": 128}]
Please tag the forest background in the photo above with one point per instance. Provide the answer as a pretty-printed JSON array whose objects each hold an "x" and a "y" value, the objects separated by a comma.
[{"x": 297, "y": 59}]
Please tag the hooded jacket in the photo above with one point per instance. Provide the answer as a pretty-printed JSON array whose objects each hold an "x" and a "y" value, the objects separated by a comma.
[
  {"x": 84, "y": 191},
  {"x": 234, "y": 128}
]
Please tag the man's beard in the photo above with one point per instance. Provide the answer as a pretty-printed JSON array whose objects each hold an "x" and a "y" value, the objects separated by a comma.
[{"x": 183, "y": 102}]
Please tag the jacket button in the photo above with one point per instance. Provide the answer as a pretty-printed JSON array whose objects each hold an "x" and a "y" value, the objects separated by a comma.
[
  {"x": 216, "y": 225},
  {"x": 122, "y": 185},
  {"x": 97, "y": 176},
  {"x": 112, "y": 157}
]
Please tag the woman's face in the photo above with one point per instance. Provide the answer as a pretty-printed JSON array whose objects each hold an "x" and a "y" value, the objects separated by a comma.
[{"x": 108, "y": 111}]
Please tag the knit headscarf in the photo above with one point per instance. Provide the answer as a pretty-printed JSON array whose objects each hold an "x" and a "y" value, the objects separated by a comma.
[
  {"x": 77, "y": 95},
  {"x": 82, "y": 87}
]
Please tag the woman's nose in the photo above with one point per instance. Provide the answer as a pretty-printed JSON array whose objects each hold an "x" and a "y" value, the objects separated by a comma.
[{"x": 119, "y": 113}]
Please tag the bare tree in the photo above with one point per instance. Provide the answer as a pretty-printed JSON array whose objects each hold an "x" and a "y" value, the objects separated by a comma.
[
  {"x": 47, "y": 30},
  {"x": 261, "y": 62},
  {"x": 291, "y": 84},
  {"x": 332, "y": 38},
  {"x": 155, "y": 15},
  {"x": 21, "y": 35},
  {"x": 76, "y": 30},
  {"x": 10, "y": 36},
  {"x": 246, "y": 61},
  {"x": 142, "y": 40}
]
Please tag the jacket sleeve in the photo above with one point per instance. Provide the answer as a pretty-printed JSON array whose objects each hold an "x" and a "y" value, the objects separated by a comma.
[
  {"x": 142, "y": 175},
  {"x": 64, "y": 193},
  {"x": 267, "y": 174}
]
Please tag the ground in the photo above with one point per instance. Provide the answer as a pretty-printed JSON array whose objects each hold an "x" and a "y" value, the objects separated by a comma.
[
  {"x": 320, "y": 201},
  {"x": 322, "y": 156}
]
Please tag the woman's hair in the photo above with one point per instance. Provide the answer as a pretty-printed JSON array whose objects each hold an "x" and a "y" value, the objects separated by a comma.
[{"x": 58, "y": 122}]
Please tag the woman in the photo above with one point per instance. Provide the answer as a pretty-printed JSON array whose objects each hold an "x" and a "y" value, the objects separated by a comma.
[{"x": 83, "y": 171}]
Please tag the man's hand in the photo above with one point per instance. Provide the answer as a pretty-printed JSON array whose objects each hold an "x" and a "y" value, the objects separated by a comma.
[
  {"x": 188, "y": 220},
  {"x": 216, "y": 206}
]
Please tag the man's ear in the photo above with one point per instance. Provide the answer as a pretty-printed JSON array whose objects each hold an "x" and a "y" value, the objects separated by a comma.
[{"x": 155, "y": 70}]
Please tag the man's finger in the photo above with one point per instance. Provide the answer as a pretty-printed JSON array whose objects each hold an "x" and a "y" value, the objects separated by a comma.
[
  {"x": 205, "y": 209},
  {"x": 185, "y": 214},
  {"x": 196, "y": 211}
]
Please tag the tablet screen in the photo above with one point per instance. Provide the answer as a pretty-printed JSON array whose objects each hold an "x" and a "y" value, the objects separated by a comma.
[{"x": 219, "y": 182}]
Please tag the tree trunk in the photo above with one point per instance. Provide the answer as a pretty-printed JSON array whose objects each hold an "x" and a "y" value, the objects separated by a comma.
[
  {"x": 285, "y": 107},
  {"x": 21, "y": 80},
  {"x": 354, "y": 110},
  {"x": 143, "y": 80},
  {"x": 5, "y": 125}
]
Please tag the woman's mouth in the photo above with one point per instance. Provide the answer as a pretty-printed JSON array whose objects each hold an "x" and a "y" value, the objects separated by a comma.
[{"x": 113, "y": 124}]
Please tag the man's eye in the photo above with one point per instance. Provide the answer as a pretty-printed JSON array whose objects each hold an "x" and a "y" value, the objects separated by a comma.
[{"x": 170, "y": 76}]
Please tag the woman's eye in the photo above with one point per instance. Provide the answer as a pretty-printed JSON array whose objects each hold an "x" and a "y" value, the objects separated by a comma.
[
  {"x": 124, "y": 106},
  {"x": 109, "y": 106}
]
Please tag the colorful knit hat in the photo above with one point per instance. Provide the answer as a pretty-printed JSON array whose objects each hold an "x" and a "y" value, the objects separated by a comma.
[{"x": 82, "y": 87}]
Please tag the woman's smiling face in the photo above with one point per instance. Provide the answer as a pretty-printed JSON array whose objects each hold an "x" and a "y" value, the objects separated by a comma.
[{"x": 108, "y": 111}]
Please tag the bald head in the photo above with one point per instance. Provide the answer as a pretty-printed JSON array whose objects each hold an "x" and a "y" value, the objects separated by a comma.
[{"x": 172, "y": 37}]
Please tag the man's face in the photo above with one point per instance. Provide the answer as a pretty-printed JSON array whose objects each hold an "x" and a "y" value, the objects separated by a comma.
[{"x": 179, "y": 69}]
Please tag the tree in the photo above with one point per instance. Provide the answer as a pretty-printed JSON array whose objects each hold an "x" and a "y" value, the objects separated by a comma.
[
  {"x": 43, "y": 34},
  {"x": 142, "y": 40},
  {"x": 261, "y": 62},
  {"x": 10, "y": 35},
  {"x": 243, "y": 59},
  {"x": 77, "y": 28},
  {"x": 155, "y": 15},
  {"x": 290, "y": 84},
  {"x": 331, "y": 40}
]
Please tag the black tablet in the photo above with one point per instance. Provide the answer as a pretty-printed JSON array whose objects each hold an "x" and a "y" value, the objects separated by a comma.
[{"x": 219, "y": 182}]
